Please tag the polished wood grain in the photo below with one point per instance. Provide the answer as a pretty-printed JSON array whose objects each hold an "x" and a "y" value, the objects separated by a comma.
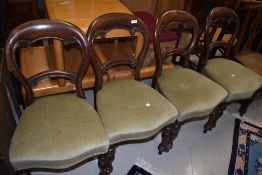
[
  {"x": 136, "y": 5},
  {"x": 164, "y": 5},
  {"x": 82, "y": 13}
]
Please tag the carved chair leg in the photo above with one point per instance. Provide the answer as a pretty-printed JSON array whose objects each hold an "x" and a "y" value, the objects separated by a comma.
[
  {"x": 244, "y": 105},
  {"x": 175, "y": 130},
  {"x": 167, "y": 142},
  {"x": 213, "y": 117},
  {"x": 105, "y": 161},
  {"x": 163, "y": 146}
]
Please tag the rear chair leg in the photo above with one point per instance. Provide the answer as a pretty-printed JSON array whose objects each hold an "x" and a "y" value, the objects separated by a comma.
[
  {"x": 214, "y": 116},
  {"x": 244, "y": 105},
  {"x": 105, "y": 161},
  {"x": 163, "y": 146}
]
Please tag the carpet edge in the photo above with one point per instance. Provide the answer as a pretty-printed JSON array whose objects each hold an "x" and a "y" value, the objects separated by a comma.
[{"x": 232, "y": 163}]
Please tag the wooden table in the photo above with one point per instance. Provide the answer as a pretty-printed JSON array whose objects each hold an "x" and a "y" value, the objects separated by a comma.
[
  {"x": 249, "y": 6},
  {"x": 41, "y": 58},
  {"x": 82, "y": 13}
]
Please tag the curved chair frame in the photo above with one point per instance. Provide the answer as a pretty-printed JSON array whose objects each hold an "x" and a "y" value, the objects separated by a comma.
[
  {"x": 220, "y": 16},
  {"x": 181, "y": 18},
  {"x": 98, "y": 29},
  {"x": 184, "y": 19},
  {"x": 25, "y": 35}
]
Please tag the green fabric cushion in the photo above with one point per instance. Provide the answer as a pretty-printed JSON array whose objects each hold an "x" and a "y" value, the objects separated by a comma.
[
  {"x": 57, "y": 132},
  {"x": 131, "y": 110},
  {"x": 238, "y": 80},
  {"x": 193, "y": 95}
]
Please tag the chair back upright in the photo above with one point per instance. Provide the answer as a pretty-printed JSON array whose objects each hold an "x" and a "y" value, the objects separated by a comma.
[
  {"x": 184, "y": 22},
  {"x": 28, "y": 33},
  {"x": 100, "y": 27},
  {"x": 228, "y": 21}
]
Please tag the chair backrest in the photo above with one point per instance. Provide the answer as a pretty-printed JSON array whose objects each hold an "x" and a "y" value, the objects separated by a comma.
[
  {"x": 99, "y": 29},
  {"x": 228, "y": 21},
  {"x": 184, "y": 22},
  {"x": 26, "y": 34}
]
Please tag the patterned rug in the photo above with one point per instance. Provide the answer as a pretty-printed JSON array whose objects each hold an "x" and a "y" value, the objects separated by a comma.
[{"x": 246, "y": 157}]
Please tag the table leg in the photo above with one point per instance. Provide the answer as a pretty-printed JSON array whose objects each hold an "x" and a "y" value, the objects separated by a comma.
[{"x": 59, "y": 59}]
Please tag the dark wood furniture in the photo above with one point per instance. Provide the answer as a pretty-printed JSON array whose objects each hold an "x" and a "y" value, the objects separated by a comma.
[
  {"x": 20, "y": 11},
  {"x": 15, "y": 12},
  {"x": 249, "y": 46},
  {"x": 4, "y": 28},
  {"x": 178, "y": 83},
  {"x": 201, "y": 8},
  {"x": 62, "y": 126},
  {"x": 130, "y": 110},
  {"x": 242, "y": 84},
  {"x": 250, "y": 23},
  {"x": 154, "y": 7},
  {"x": 9, "y": 112}
]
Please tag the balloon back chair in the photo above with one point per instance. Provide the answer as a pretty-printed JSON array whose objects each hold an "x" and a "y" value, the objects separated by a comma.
[
  {"x": 59, "y": 131},
  {"x": 129, "y": 109},
  {"x": 241, "y": 83},
  {"x": 195, "y": 96}
]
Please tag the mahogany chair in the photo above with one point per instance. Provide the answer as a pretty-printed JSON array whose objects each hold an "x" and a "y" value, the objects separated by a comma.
[
  {"x": 195, "y": 96},
  {"x": 241, "y": 83},
  {"x": 54, "y": 132},
  {"x": 130, "y": 110}
]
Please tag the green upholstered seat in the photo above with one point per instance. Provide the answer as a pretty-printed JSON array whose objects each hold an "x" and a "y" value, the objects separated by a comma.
[
  {"x": 193, "y": 94},
  {"x": 57, "y": 132},
  {"x": 238, "y": 80},
  {"x": 131, "y": 110}
]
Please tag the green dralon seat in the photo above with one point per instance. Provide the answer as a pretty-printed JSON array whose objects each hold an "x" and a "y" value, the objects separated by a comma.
[
  {"x": 131, "y": 110},
  {"x": 57, "y": 132},
  {"x": 193, "y": 94},
  {"x": 238, "y": 80}
]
